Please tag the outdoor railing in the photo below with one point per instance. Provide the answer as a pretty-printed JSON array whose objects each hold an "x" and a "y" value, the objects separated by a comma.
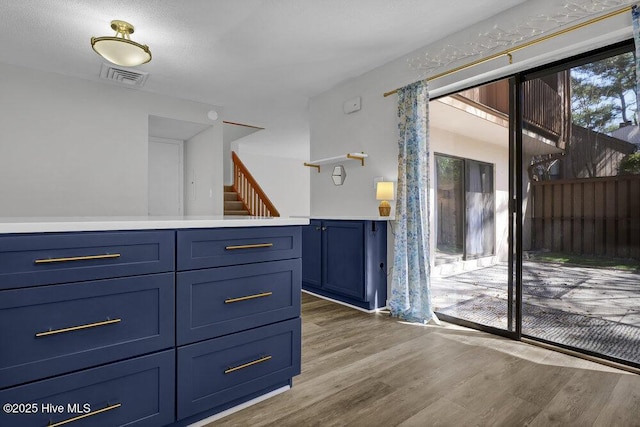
[{"x": 542, "y": 107}]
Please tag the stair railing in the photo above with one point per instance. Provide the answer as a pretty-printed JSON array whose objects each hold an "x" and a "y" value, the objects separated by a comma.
[{"x": 249, "y": 191}]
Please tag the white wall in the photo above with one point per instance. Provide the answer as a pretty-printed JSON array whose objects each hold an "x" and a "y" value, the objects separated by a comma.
[
  {"x": 275, "y": 155},
  {"x": 285, "y": 130},
  {"x": 75, "y": 147},
  {"x": 284, "y": 180},
  {"x": 371, "y": 130},
  {"x": 204, "y": 183}
]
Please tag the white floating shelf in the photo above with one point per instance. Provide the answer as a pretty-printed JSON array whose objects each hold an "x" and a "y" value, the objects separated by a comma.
[{"x": 349, "y": 156}]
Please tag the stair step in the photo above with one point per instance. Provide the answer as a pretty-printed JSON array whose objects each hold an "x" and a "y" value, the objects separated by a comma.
[
  {"x": 233, "y": 205},
  {"x": 237, "y": 212},
  {"x": 230, "y": 196},
  {"x": 228, "y": 188}
]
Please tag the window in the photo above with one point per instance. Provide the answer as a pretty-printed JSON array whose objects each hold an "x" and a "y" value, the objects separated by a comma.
[{"x": 465, "y": 209}]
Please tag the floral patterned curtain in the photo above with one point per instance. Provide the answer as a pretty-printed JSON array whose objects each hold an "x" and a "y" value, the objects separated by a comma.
[
  {"x": 635, "y": 17},
  {"x": 410, "y": 289}
]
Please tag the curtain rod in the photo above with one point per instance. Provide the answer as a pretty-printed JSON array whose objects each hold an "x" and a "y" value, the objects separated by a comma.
[{"x": 509, "y": 51}]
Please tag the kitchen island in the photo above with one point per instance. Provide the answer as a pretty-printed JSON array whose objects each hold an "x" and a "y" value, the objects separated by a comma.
[{"x": 146, "y": 321}]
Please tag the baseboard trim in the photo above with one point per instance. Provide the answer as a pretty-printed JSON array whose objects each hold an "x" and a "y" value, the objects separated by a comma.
[
  {"x": 375, "y": 310},
  {"x": 240, "y": 407}
]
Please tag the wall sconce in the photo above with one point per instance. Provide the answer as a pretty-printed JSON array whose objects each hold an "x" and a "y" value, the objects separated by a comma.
[
  {"x": 384, "y": 192},
  {"x": 339, "y": 175}
]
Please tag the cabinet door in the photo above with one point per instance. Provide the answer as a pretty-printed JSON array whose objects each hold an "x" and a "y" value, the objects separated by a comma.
[
  {"x": 50, "y": 258},
  {"x": 343, "y": 254},
  {"x": 136, "y": 392},
  {"x": 312, "y": 254},
  {"x": 218, "y": 371},
  {"x": 219, "y": 301},
  {"x": 50, "y": 330},
  {"x": 219, "y": 247}
]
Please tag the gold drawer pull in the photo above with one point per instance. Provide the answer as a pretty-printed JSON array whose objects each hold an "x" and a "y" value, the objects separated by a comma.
[
  {"x": 258, "y": 245},
  {"x": 76, "y": 258},
  {"x": 88, "y": 414},
  {"x": 248, "y": 297},
  {"x": 77, "y": 328},
  {"x": 246, "y": 365}
]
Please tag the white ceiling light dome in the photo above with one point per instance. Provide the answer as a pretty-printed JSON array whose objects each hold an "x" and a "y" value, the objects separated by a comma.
[{"x": 120, "y": 49}]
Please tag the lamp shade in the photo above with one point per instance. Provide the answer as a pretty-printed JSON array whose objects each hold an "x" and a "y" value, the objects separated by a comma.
[
  {"x": 384, "y": 191},
  {"x": 120, "y": 49}
]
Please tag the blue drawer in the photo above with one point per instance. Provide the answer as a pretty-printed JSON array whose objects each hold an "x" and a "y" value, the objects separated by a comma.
[
  {"x": 230, "y": 246},
  {"x": 137, "y": 392},
  {"x": 38, "y": 259},
  {"x": 219, "y": 301},
  {"x": 220, "y": 370},
  {"x": 49, "y": 330}
]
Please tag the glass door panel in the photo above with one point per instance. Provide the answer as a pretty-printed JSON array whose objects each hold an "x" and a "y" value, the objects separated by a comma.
[
  {"x": 470, "y": 272},
  {"x": 581, "y": 216},
  {"x": 449, "y": 209}
]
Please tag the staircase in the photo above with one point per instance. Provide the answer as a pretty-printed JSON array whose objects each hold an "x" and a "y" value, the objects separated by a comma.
[
  {"x": 232, "y": 204},
  {"x": 245, "y": 196}
]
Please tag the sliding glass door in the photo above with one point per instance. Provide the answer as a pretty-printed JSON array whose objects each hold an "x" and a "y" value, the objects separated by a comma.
[
  {"x": 581, "y": 216},
  {"x": 471, "y": 275},
  {"x": 536, "y": 206}
]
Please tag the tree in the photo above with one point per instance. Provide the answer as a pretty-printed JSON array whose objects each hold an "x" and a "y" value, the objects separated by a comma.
[
  {"x": 603, "y": 91},
  {"x": 630, "y": 165},
  {"x": 602, "y": 97}
]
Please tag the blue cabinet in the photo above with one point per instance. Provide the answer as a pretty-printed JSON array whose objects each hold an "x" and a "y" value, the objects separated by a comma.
[
  {"x": 343, "y": 256},
  {"x": 312, "y": 254},
  {"x": 40, "y": 259},
  {"x": 94, "y": 324},
  {"x": 137, "y": 392},
  {"x": 219, "y": 301},
  {"x": 50, "y": 330},
  {"x": 346, "y": 260},
  {"x": 214, "y": 372},
  {"x": 233, "y": 246},
  {"x": 238, "y": 316}
]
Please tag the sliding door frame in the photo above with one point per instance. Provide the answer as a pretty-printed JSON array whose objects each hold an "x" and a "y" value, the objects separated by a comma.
[
  {"x": 538, "y": 72},
  {"x": 516, "y": 198},
  {"x": 513, "y": 294},
  {"x": 515, "y": 206}
]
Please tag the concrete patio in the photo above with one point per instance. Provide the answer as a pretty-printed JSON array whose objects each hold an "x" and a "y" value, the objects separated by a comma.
[{"x": 594, "y": 309}]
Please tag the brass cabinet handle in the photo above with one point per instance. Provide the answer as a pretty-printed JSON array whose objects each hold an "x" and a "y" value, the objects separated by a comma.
[
  {"x": 77, "y": 328},
  {"x": 88, "y": 414},
  {"x": 76, "y": 258},
  {"x": 257, "y": 245},
  {"x": 246, "y": 365},
  {"x": 248, "y": 297}
]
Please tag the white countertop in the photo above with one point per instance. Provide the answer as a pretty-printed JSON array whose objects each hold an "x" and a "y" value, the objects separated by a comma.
[
  {"x": 57, "y": 224},
  {"x": 353, "y": 218}
]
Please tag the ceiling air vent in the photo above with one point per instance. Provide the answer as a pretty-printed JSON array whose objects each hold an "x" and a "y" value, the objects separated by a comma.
[{"x": 123, "y": 75}]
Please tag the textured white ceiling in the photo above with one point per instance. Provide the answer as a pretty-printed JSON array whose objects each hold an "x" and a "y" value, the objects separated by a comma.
[{"x": 234, "y": 52}]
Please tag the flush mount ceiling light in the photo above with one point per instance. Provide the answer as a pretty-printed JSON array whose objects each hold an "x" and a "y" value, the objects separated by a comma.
[{"x": 120, "y": 49}]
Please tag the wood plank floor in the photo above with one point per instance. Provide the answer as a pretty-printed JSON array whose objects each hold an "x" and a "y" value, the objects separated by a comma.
[{"x": 362, "y": 369}]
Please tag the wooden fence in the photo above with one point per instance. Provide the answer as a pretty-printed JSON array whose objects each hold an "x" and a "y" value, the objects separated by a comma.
[{"x": 593, "y": 216}]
